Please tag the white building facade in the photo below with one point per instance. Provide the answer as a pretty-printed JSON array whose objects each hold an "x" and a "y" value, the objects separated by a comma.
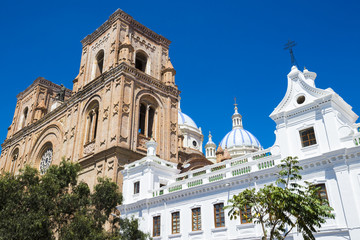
[{"x": 315, "y": 125}]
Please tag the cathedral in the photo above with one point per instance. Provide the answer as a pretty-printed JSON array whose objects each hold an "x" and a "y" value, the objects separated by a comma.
[
  {"x": 122, "y": 120},
  {"x": 124, "y": 94}
]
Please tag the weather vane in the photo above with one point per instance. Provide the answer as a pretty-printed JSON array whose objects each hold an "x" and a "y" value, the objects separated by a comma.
[
  {"x": 289, "y": 45},
  {"x": 235, "y": 104}
]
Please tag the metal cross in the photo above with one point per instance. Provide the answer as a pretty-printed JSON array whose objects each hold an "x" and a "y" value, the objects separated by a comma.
[
  {"x": 289, "y": 45},
  {"x": 235, "y": 102}
]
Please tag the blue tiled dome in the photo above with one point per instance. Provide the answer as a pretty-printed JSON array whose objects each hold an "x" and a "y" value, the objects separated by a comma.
[{"x": 239, "y": 137}]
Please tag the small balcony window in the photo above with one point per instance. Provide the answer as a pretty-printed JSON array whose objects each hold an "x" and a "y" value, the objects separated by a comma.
[{"x": 136, "y": 187}]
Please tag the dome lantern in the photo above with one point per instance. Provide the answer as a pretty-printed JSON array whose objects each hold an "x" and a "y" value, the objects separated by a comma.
[
  {"x": 236, "y": 118},
  {"x": 239, "y": 141}
]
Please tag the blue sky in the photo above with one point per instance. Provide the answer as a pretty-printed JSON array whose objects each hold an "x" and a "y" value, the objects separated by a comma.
[{"x": 220, "y": 50}]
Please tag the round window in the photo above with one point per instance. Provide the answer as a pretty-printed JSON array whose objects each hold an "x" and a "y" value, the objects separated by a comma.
[
  {"x": 46, "y": 160},
  {"x": 194, "y": 143},
  {"x": 300, "y": 100}
]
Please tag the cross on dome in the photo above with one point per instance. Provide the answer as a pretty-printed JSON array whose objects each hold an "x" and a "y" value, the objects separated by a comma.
[{"x": 236, "y": 117}]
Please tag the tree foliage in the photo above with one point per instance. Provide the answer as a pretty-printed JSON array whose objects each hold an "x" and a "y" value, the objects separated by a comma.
[
  {"x": 57, "y": 206},
  {"x": 282, "y": 207}
]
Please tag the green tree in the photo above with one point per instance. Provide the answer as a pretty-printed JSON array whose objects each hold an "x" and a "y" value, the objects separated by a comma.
[
  {"x": 282, "y": 207},
  {"x": 57, "y": 206}
]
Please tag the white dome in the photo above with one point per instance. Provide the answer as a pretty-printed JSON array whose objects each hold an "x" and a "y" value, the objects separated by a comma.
[
  {"x": 184, "y": 119},
  {"x": 239, "y": 137}
]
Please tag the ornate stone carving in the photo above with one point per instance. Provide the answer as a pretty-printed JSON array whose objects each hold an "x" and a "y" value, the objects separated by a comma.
[
  {"x": 174, "y": 104},
  {"x": 108, "y": 87},
  {"x": 126, "y": 108},
  {"x": 112, "y": 47},
  {"x": 106, "y": 113},
  {"x": 123, "y": 26},
  {"x": 142, "y": 42},
  {"x": 100, "y": 42},
  {"x": 82, "y": 69},
  {"x": 164, "y": 52},
  {"x": 72, "y": 131},
  {"x": 114, "y": 27},
  {"x": 84, "y": 50},
  {"x": 116, "y": 108},
  {"x": 89, "y": 148},
  {"x": 173, "y": 127},
  {"x": 117, "y": 82},
  {"x": 111, "y": 165},
  {"x": 65, "y": 136},
  {"x": 99, "y": 169},
  {"x": 123, "y": 139},
  {"x": 113, "y": 138},
  {"x": 172, "y": 155},
  {"x": 128, "y": 83}
]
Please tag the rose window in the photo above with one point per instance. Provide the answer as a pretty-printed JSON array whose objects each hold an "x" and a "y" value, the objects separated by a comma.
[{"x": 46, "y": 160}]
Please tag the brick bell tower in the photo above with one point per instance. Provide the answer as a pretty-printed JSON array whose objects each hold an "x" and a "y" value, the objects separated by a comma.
[{"x": 124, "y": 94}]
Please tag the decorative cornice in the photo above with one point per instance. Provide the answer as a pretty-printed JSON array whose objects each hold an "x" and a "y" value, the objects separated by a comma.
[{"x": 121, "y": 15}]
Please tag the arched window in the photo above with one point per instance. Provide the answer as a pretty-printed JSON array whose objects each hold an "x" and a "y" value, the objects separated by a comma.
[
  {"x": 14, "y": 158},
  {"x": 99, "y": 63},
  {"x": 46, "y": 158},
  {"x": 140, "y": 61},
  {"x": 25, "y": 114},
  {"x": 146, "y": 119},
  {"x": 92, "y": 122}
]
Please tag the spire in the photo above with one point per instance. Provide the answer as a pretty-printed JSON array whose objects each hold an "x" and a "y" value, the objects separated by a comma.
[
  {"x": 226, "y": 155},
  {"x": 168, "y": 73},
  {"x": 210, "y": 143},
  {"x": 210, "y": 149},
  {"x": 236, "y": 117},
  {"x": 235, "y": 104},
  {"x": 169, "y": 64}
]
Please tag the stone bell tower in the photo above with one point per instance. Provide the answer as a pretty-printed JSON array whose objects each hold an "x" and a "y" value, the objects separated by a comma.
[
  {"x": 124, "y": 95},
  {"x": 140, "y": 97}
]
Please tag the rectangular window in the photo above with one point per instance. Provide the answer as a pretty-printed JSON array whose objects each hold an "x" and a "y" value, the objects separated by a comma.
[
  {"x": 307, "y": 137},
  {"x": 175, "y": 222},
  {"x": 196, "y": 219},
  {"x": 156, "y": 226},
  {"x": 322, "y": 193},
  {"x": 245, "y": 215},
  {"x": 136, "y": 187},
  {"x": 219, "y": 215}
]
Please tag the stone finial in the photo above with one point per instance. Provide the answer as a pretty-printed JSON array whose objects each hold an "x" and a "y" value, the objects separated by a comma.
[
  {"x": 151, "y": 147},
  {"x": 226, "y": 155},
  {"x": 169, "y": 64},
  {"x": 127, "y": 40}
]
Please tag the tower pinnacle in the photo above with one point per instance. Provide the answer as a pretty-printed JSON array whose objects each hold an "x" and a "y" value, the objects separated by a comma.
[
  {"x": 235, "y": 104},
  {"x": 236, "y": 117}
]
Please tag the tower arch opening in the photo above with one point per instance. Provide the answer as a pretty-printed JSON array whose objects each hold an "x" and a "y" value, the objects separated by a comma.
[
  {"x": 141, "y": 61},
  {"x": 99, "y": 63}
]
